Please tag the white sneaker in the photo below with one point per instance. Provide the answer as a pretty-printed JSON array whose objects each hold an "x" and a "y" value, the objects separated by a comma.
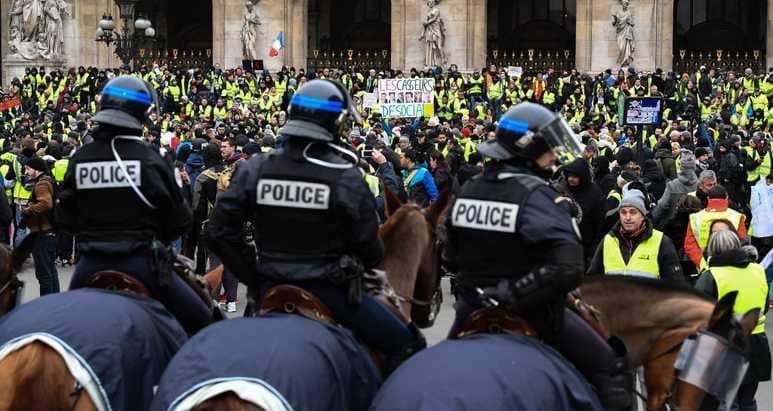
[{"x": 231, "y": 307}]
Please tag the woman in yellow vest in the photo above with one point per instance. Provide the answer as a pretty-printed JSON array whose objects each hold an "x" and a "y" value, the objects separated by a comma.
[
  {"x": 634, "y": 247},
  {"x": 733, "y": 268}
]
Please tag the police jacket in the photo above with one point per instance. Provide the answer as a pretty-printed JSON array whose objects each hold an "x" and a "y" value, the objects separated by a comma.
[
  {"x": 668, "y": 260},
  {"x": 306, "y": 216},
  {"x": 506, "y": 223},
  {"x": 98, "y": 203}
]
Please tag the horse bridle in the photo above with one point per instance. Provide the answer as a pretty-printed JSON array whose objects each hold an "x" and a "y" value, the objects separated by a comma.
[{"x": 12, "y": 286}]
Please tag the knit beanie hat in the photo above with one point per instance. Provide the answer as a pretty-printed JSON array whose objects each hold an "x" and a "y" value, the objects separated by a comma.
[
  {"x": 687, "y": 160},
  {"x": 633, "y": 198}
]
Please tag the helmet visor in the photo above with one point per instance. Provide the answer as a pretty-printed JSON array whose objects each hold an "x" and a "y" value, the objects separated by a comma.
[{"x": 562, "y": 140}]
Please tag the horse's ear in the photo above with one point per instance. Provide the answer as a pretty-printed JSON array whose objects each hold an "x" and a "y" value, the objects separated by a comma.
[
  {"x": 392, "y": 203},
  {"x": 723, "y": 311},
  {"x": 23, "y": 250},
  {"x": 749, "y": 320},
  {"x": 436, "y": 209}
]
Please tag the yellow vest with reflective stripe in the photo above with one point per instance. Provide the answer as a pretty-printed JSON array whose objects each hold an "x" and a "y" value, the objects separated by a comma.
[
  {"x": 701, "y": 223},
  {"x": 762, "y": 170},
  {"x": 752, "y": 287},
  {"x": 643, "y": 261},
  {"x": 476, "y": 86},
  {"x": 373, "y": 184},
  {"x": 60, "y": 169},
  {"x": 19, "y": 191}
]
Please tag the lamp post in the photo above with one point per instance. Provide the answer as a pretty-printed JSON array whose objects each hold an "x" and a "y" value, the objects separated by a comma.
[{"x": 131, "y": 35}]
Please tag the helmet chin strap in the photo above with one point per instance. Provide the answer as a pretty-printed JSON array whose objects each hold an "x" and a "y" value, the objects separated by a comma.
[
  {"x": 346, "y": 153},
  {"x": 123, "y": 167}
]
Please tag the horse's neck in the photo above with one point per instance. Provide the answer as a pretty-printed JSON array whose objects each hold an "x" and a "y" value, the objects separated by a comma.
[
  {"x": 641, "y": 319},
  {"x": 405, "y": 245}
]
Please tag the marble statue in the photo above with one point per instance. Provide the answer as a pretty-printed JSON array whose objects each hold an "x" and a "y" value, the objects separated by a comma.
[
  {"x": 434, "y": 36},
  {"x": 623, "y": 23},
  {"x": 36, "y": 28},
  {"x": 250, "y": 31}
]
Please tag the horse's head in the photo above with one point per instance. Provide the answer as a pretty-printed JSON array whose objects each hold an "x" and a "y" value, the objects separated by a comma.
[
  {"x": 227, "y": 402},
  {"x": 10, "y": 264},
  {"x": 726, "y": 342},
  {"x": 412, "y": 256}
]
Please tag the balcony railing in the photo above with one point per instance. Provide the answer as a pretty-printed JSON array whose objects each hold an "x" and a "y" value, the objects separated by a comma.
[
  {"x": 533, "y": 59},
  {"x": 689, "y": 61},
  {"x": 364, "y": 59}
]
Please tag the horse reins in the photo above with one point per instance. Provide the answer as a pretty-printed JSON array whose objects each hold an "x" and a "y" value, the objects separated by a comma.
[
  {"x": 76, "y": 394},
  {"x": 667, "y": 406}
]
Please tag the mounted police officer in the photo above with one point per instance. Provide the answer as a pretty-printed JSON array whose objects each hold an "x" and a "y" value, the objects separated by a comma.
[
  {"x": 122, "y": 201},
  {"x": 314, "y": 214},
  {"x": 511, "y": 207}
]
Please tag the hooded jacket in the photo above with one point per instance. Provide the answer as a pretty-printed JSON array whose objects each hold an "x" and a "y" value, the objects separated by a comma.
[
  {"x": 686, "y": 181},
  {"x": 591, "y": 200}
]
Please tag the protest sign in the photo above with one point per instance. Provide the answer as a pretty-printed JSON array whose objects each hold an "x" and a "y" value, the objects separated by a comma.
[
  {"x": 9, "y": 103},
  {"x": 369, "y": 100},
  {"x": 514, "y": 71},
  {"x": 642, "y": 111},
  {"x": 406, "y": 97}
]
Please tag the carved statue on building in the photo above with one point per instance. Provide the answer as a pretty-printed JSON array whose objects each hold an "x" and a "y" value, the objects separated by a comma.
[
  {"x": 250, "y": 31},
  {"x": 623, "y": 23},
  {"x": 37, "y": 28},
  {"x": 434, "y": 36}
]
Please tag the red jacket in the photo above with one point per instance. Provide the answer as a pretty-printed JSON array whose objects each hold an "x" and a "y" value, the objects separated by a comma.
[{"x": 691, "y": 247}]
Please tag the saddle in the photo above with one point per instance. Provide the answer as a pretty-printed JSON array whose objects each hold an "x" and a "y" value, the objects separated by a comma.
[
  {"x": 291, "y": 299},
  {"x": 492, "y": 320},
  {"x": 116, "y": 281}
]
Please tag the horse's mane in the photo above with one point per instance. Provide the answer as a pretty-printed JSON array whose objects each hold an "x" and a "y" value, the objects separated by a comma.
[{"x": 649, "y": 285}]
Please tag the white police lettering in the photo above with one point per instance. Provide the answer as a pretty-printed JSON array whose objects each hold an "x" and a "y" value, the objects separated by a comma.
[
  {"x": 106, "y": 174},
  {"x": 485, "y": 215},
  {"x": 294, "y": 194}
]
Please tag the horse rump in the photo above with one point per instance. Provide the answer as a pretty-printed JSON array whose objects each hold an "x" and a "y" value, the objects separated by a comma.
[{"x": 35, "y": 378}]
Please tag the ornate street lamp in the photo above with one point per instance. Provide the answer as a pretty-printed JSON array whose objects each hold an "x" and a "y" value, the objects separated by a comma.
[{"x": 131, "y": 36}]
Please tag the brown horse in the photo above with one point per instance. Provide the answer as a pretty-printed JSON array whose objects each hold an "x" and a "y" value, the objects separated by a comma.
[
  {"x": 35, "y": 377},
  {"x": 653, "y": 318},
  {"x": 411, "y": 259}
]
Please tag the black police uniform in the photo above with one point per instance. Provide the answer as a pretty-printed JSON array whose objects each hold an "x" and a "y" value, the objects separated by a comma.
[
  {"x": 308, "y": 218},
  {"x": 116, "y": 229},
  {"x": 510, "y": 233}
]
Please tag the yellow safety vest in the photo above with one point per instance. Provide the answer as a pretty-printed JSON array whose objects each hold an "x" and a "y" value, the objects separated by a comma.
[
  {"x": 373, "y": 184},
  {"x": 60, "y": 169},
  {"x": 219, "y": 112},
  {"x": 19, "y": 191},
  {"x": 701, "y": 223},
  {"x": 762, "y": 170},
  {"x": 476, "y": 86},
  {"x": 752, "y": 287},
  {"x": 643, "y": 261}
]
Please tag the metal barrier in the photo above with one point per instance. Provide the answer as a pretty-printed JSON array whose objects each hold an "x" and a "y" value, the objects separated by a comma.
[
  {"x": 533, "y": 59},
  {"x": 363, "y": 59},
  {"x": 174, "y": 57}
]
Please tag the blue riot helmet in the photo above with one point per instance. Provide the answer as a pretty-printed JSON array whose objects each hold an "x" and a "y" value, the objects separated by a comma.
[
  {"x": 319, "y": 111},
  {"x": 529, "y": 130},
  {"x": 126, "y": 102}
]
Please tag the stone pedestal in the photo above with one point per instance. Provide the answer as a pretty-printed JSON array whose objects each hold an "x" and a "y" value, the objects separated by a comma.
[{"x": 14, "y": 66}]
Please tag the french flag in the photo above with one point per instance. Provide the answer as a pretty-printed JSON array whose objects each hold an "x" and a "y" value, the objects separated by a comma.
[{"x": 278, "y": 44}]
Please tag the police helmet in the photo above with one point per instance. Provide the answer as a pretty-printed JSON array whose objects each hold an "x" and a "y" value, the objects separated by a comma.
[
  {"x": 319, "y": 110},
  {"x": 126, "y": 102},
  {"x": 529, "y": 130}
]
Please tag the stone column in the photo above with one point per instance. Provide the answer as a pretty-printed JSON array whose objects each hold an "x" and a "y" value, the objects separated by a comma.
[
  {"x": 664, "y": 36},
  {"x": 770, "y": 34},
  {"x": 398, "y": 36},
  {"x": 6, "y": 76},
  {"x": 583, "y": 43},
  {"x": 218, "y": 32}
]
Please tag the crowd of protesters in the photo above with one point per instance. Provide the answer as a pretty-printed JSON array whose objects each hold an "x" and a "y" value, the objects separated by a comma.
[{"x": 714, "y": 139}]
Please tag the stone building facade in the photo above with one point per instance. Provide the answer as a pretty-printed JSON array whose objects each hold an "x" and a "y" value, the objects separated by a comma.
[{"x": 469, "y": 40}]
